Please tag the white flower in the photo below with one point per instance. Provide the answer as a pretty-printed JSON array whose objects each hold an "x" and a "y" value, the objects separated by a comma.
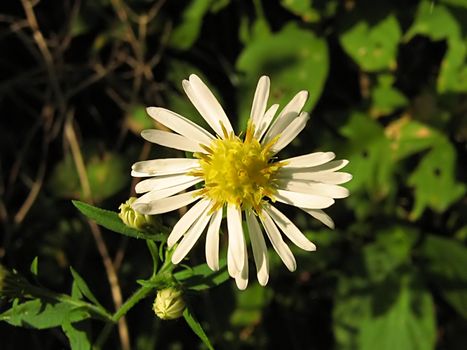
[{"x": 239, "y": 174}]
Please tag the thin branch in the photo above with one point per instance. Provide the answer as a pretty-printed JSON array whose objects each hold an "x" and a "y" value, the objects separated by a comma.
[{"x": 97, "y": 234}]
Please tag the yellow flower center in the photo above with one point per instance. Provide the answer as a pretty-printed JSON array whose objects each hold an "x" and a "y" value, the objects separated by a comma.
[{"x": 238, "y": 171}]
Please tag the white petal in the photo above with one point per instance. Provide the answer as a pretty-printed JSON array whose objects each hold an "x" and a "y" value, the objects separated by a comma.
[
  {"x": 260, "y": 100},
  {"x": 265, "y": 121},
  {"x": 309, "y": 160},
  {"x": 155, "y": 195},
  {"x": 290, "y": 230},
  {"x": 207, "y": 104},
  {"x": 191, "y": 237},
  {"x": 303, "y": 200},
  {"x": 319, "y": 189},
  {"x": 321, "y": 216},
  {"x": 166, "y": 166},
  {"x": 171, "y": 140},
  {"x": 186, "y": 221},
  {"x": 287, "y": 115},
  {"x": 276, "y": 240},
  {"x": 231, "y": 267},
  {"x": 334, "y": 178},
  {"x": 161, "y": 182},
  {"x": 212, "y": 240},
  {"x": 258, "y": 245},
  {"x": 291, "y": 132},
  {"x": 331, "y": 166},
  {"x": 181, "y": 125},
  {"x": 236, "y": 238},
  {"x": 242, "y": 278},
  {"x": 167, "y": 204}
]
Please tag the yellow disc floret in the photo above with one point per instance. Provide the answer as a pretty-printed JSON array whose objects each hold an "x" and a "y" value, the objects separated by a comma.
[{"x": 238, "y": 171}]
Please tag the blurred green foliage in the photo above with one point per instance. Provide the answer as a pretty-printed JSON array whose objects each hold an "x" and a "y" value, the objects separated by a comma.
[{"x": 388, "y": 91}]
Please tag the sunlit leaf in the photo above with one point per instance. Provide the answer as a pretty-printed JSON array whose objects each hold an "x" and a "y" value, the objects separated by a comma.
[
  {"x": 302, "y": 8},
  {"x": 439, "y": 23},
  {"x": 391, "y": 250},
  {"x": 409, "y": 324},
  {"x": 397, "y": 313},
  {"x": 295, "y": 59},
  {"x": 409, "y": 137},
  {"x": 372, "y": 43},
  {"x": 186, "y": 33},
  {"x": 367, "y": 149},
  {"x": 385, "y": 97},
  {"x": 434, "y": 180}
]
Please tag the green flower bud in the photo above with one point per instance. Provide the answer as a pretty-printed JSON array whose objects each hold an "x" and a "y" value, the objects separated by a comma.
[
  {"x": 169, "y": 304},
  {"x": 133, "y": 219}
]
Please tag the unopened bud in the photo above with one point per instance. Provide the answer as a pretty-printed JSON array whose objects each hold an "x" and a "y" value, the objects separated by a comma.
[
  {"x": 169, "y": 304},
  {"x": 133, "y": 219}
]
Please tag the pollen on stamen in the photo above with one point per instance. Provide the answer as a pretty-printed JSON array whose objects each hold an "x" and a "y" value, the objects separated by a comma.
[{"x": 237, "y": 171}]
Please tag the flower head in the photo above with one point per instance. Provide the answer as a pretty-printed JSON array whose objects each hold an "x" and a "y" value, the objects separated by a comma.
[
  {"x": 169, "y": 304},
  {"x": 239, "y": 174},
  {"x": 134, "y": 219}
]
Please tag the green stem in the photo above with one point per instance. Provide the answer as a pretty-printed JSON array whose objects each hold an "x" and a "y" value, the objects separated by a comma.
[
  {"x": 141, "y": 293},
  {"x": 163, "y": 275}
]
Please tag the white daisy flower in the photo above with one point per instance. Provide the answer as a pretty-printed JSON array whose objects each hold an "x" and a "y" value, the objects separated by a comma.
[{"x": 239, "y": 174}]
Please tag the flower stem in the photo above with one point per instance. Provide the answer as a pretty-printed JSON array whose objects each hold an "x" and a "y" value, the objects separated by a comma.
[{"x": 141, "y": 293}]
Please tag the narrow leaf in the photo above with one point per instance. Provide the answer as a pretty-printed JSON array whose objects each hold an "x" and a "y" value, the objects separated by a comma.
[
  {"x": 196, "y": 327},
  {"x": 111, "y": 221},
  {"x": 83, "y": 287},
  {"x": 35, "y": 266},
  {"x": 202, "y": 277}
]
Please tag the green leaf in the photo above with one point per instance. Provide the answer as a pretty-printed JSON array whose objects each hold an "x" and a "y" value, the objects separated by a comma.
[
  {"x": 434, "y": 180},
  {"x": 439, "y": 23},
  {"x": 303, "y": 9},
  {"x": 409, "y": 137},
  {"x": 367, "y": 150},
  {"x": 83, "y": 287},
  {"x": 176, "y": 99},
  {"x": 78, "y": 335},
  {"x": 372, "y": 45},
  {"x": 138, "y": 120},
  {"x": 186, "y": 33},
  {"x": 42, "y": 314},
  {"x": 196, "y": 327},
  {"x": 409, "y": 324},
  {"x": 386, "y": 98},
  {"x": 249, "y": 305},
  {"x": 390, "y": 251},
  {"x": 111, "y": 221},
  {"x": 395, "y": 314},
  {"x": 106, "y": 174},
  {"x": 202, "y": 277},
  {"x": 154, "y": 255},
  {"x": 446, "y": 262},
  {"x": 35, "y": 266},
  {"x": 295, "y": 59}
]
